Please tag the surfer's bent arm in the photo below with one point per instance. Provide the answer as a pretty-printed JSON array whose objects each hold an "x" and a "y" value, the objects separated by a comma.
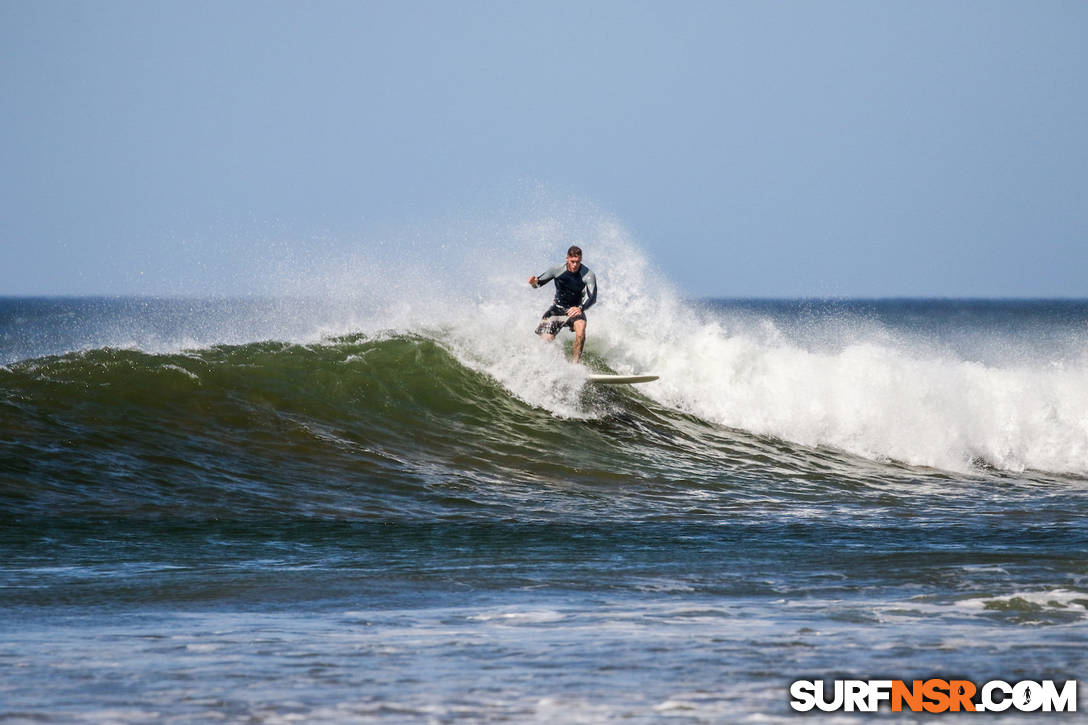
[
  {"x": 591, "y": 290},
  {"x": 545, "y": 276}
]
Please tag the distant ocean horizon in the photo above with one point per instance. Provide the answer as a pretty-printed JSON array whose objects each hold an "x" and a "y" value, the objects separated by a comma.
[{"x": 271, "y": 509}]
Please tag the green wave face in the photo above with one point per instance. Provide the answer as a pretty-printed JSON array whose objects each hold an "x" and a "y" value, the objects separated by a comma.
[
  {"x": 350, "y": 427},
  {"x": 385, "y": 428}
]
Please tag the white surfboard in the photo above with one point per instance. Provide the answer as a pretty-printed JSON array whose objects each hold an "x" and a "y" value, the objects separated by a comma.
[{"x": 619, "y": 379}]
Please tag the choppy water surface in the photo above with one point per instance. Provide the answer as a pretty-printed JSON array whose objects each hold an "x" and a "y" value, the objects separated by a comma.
[{"x": 275, "y": 510}]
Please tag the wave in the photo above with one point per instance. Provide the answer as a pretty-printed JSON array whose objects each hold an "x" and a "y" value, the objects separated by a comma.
[
  {"x": 352, "y": 426},
  {"x": 436, "y": 347},
  {"x": 388, "y": 426}
]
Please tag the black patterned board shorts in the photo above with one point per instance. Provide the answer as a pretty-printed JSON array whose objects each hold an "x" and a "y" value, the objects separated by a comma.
[{"x": 555, "y": 319}]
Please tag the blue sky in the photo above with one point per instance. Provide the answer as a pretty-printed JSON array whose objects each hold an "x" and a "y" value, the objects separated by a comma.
[{"x": 771, "y": 149}]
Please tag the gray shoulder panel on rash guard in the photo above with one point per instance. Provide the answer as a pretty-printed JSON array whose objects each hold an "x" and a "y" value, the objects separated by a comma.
[{"x": 550, "y": 274}]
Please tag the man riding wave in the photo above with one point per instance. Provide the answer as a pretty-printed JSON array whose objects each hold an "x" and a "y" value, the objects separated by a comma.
[{"x": 575, "y": 292}]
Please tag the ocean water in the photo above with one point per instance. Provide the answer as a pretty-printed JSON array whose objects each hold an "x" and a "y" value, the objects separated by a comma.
[{"x": 327, "y": 509}]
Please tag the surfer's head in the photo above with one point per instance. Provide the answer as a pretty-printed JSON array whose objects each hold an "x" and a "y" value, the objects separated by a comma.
[{"x": 574, "y": 258}]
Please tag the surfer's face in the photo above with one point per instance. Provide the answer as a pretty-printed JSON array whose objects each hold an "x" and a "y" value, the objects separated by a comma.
[{"x": 574, "y": 263}]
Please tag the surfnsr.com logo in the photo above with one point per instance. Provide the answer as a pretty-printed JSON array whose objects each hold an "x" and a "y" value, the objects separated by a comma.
[{"x": 934, "y": 695}]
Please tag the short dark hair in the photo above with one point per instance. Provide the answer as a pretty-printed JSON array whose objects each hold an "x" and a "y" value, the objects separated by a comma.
[{"x": 574, "y": 251}]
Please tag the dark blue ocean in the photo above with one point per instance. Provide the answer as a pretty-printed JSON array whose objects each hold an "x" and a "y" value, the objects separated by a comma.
[{"x": 271, "y": 510}]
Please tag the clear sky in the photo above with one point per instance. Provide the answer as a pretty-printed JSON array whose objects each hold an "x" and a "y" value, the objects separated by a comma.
[{"x": 772, "y": 149}]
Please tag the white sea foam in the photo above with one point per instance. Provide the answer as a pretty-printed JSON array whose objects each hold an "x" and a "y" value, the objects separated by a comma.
[
  {"x": 1051, "y": 599},
  {"x": 542, "y": 616},
  {"x": 875, "y": 399},
  {"x": 844, "y": 381}
]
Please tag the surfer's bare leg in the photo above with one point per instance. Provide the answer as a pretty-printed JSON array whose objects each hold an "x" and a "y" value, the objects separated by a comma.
[{"x": 579, "y": 339}]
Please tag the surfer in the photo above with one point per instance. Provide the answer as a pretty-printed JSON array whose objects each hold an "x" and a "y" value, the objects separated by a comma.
[{"x": 575, "y": 291}]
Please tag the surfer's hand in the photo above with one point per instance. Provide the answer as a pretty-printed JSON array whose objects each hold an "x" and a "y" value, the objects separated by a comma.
[
  {"x": 533, "y": 281},
  {"x": 574, "y": 311}
]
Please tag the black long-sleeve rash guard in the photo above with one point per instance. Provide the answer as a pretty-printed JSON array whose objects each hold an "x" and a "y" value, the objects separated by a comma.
[{"x": 572, "y": 289}]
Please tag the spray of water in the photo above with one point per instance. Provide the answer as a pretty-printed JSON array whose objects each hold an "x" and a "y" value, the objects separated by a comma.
[{"x": 843, "y": 381}]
